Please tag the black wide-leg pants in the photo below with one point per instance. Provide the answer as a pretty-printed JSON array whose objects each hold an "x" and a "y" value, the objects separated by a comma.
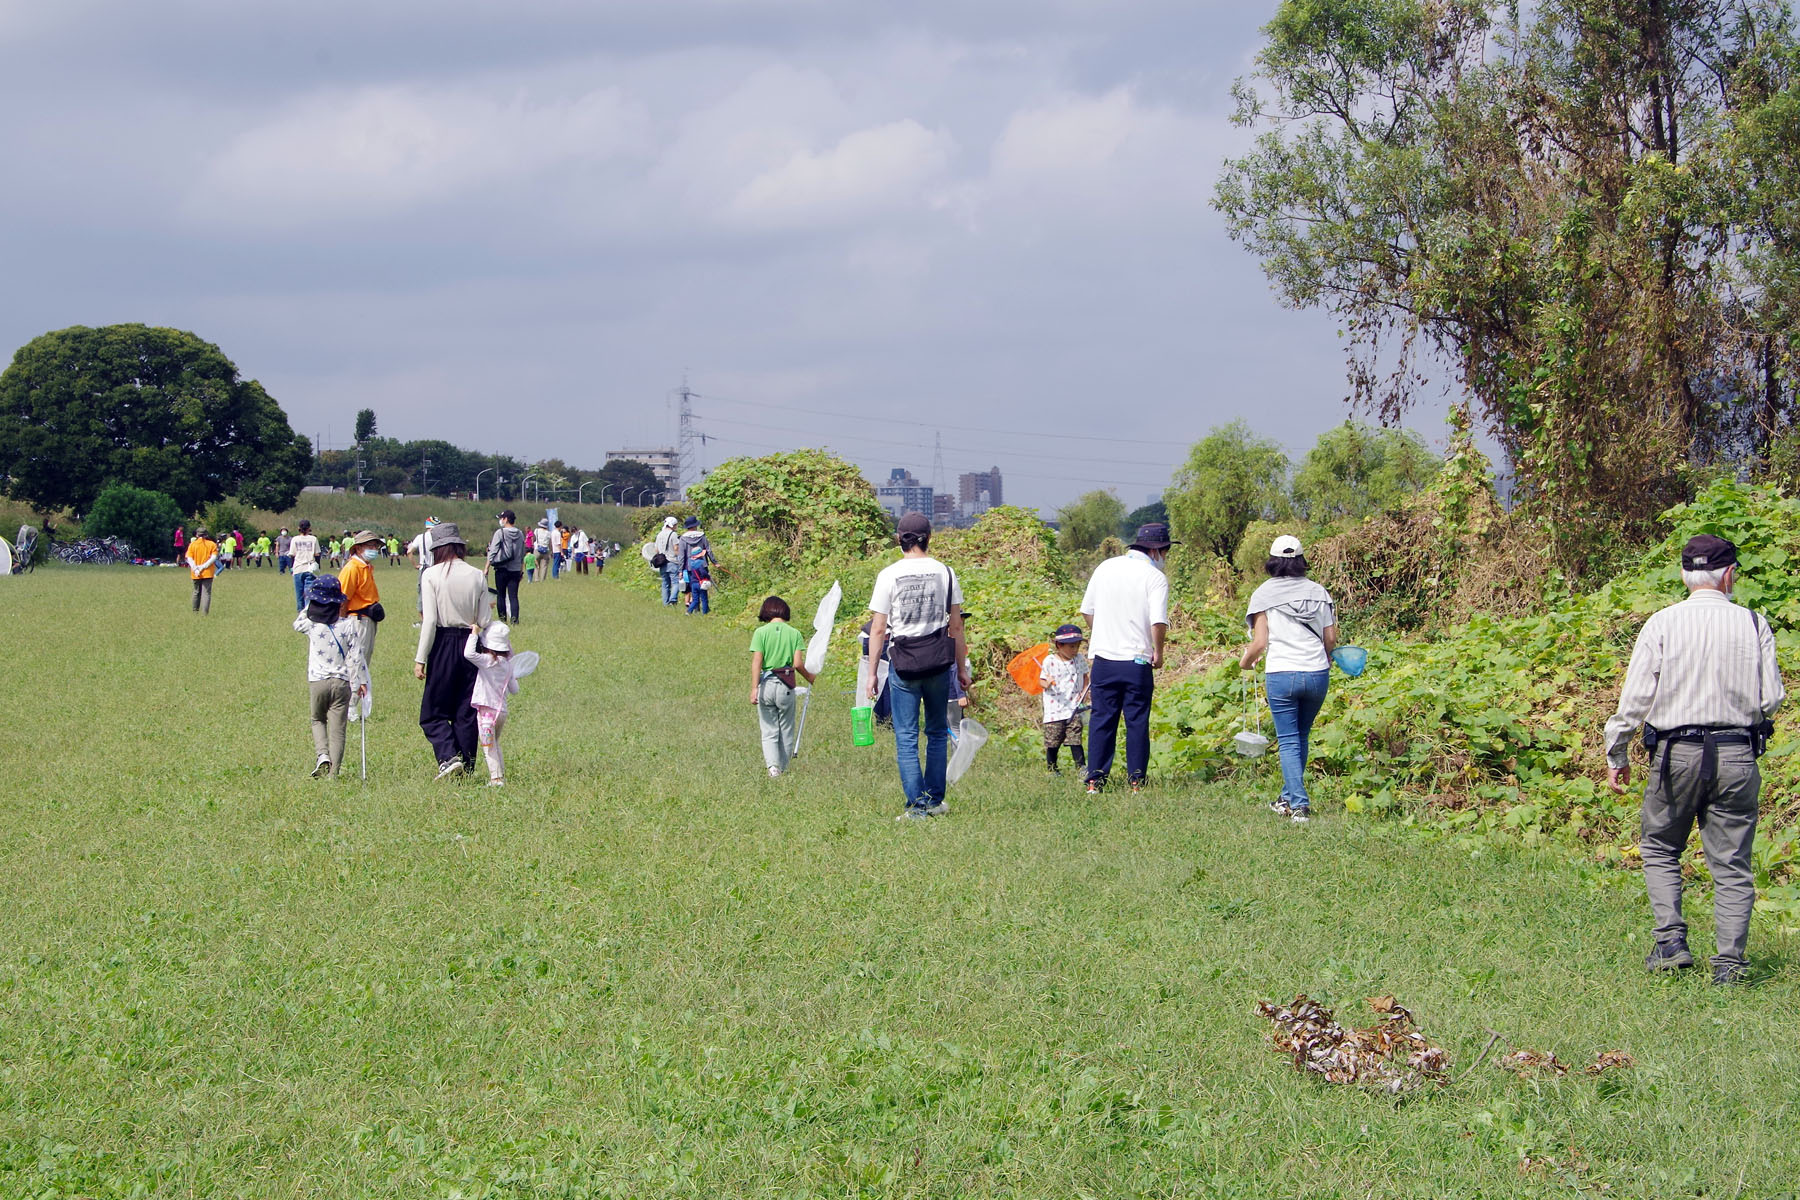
[{"x": 445, "y": 713}]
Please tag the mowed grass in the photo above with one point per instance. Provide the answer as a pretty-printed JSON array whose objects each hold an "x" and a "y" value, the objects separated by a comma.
[{"x": 643, "y": 969}]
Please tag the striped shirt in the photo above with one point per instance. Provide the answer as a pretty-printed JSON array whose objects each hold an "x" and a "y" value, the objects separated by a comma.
[{"x": 1704, "y": 661}]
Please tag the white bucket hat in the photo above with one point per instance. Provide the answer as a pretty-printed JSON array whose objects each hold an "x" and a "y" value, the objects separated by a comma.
[
  {"x": 497, "y": 637},
  {"x": 1286, "y": 546}
]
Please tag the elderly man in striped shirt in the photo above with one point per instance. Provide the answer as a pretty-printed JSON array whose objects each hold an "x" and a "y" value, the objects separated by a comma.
[{"x": 1703, "y": 682}]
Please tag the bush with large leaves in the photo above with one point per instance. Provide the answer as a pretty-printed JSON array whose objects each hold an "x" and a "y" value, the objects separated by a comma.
[{"x": 155, "y": 408}]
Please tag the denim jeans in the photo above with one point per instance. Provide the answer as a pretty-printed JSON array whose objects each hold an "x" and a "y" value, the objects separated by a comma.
[
  {"x": 700, "y": 598},
  {"x": 671, "y": 583},
  {"x": 909, "y": 697},
  {"x": 1295, "y": 698},
  {"x": 302, "y": 581}
]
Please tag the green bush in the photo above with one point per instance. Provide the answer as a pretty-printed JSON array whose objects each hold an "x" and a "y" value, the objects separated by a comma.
[
  {"x": 143, "y": 519},
  {"x": 223, "y": 516}
]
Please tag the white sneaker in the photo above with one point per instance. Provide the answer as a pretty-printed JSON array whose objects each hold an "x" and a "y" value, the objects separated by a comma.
[
  {"x": 1298, "y": 816},
  {"x": 496, "y": 783},
  {"x": 774, "y": 772},
  {"x": 941, "y": 808},
  {"x": 322, "y": 767},
  {"x": 453, "y": 767}
]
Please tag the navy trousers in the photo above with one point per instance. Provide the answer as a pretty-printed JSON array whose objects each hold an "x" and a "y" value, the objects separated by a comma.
[{"x": 1120, "y": 689}]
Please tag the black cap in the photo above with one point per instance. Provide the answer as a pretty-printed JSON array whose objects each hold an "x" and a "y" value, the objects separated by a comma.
[
  {"x": 1154, "y": 536},
  {"x": 914, "y": 522},
  {"x": 506, "y": 514},
  {"x": 1707, "y": 553}
]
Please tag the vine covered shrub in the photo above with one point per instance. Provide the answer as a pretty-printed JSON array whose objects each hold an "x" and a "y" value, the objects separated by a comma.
[
  {"x": 1006, "y": 537},
  {"x": 808, "y": 504}
]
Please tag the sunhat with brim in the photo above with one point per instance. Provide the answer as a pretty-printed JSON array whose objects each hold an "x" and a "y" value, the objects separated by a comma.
[
  {"x": 693, "y": 522},
  {"x": 446, "y": 534},
  {"x": 1068, "y": 635},
  {"x": 324, "y": 591},
  {"x": 364, "y": 538},
  {"x": 1154, "y": 536},
  {"x": 497, "y": 636},
  {"x": 1286, "y": 546}
]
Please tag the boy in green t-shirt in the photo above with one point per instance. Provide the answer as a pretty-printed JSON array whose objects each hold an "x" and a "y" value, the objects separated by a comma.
[
  {"x": 530, "y": 564},
  {"x": 776, "y": 654}
]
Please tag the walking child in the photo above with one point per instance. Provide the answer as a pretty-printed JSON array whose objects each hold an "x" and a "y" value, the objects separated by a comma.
[
  {"x": 777, "y": 653},
  {"x": 1065, "y": 679},
  {"x": 336, "y": 671},
  {"x": 491, "y": 652}
]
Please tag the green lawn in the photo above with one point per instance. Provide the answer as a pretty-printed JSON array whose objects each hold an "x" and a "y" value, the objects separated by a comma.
[{"x": 646, "y": 970}]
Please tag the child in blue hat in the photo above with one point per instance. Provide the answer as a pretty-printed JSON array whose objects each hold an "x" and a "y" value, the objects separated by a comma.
[{"x": 336, "y": 671}]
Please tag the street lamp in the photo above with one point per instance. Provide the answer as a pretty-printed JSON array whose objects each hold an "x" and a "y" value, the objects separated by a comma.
[
  {"x": 630, "y": 490},
  {"x": 526, "y": 483},
  {"x": 581, "y": 489},
  {"x": 603, "y": 490},
  {"x": 478, "y": 476}
]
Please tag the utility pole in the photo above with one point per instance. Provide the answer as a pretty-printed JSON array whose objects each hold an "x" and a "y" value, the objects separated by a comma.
[
  {"x": 425, "y": 476},
  {"x": 938, "y": 483},
  {"x": 688, "y": 456}
]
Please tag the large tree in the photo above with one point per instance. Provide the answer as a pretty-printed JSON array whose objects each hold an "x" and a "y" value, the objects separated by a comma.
[
  {"x": 155, "y": 408},
  {"x": 1354, "y": 470},
  {"x": 1231, "y": 478},
  {"x": 1577, "y": 205},
  {"x": 1088, "y": 520}
]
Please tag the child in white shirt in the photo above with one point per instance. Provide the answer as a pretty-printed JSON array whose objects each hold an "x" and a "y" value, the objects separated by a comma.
[
  {"x": 491, "y": 652},
  {"x": 1064, "y": 676},
  {"x": 336, "y": 671}
]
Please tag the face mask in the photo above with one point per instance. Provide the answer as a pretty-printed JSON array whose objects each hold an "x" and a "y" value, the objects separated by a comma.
[{"x": 371, "y": 555}]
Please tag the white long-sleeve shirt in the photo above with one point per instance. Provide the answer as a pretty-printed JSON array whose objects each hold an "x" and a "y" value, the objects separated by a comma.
[
  {"x": 333, "y": 651},
  {"x": 452, "y": 595},
  {"x": 1703, "y": 661}
]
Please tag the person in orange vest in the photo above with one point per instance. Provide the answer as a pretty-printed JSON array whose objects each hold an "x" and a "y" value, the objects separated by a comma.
[
  {"x": 362, "y": 599},
  {"x": 203, "y": 564}
]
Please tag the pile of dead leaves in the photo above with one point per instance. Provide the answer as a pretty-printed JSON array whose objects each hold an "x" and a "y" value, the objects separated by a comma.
[
  {"x": 1526, "y": 1063},
  {"x": 1390, "y": 1056}
]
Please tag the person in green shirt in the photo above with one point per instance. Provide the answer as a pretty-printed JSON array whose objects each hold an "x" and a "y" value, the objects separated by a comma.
[
  {"x": 393, "y": 551},
  {"x": 776, "y": 655}
]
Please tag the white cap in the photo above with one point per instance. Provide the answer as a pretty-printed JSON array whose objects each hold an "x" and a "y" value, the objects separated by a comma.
[
  {"x": 668, "y": 522},
  {"x": 497, "y": 636},
  {"x": 1286, "y": 546}
]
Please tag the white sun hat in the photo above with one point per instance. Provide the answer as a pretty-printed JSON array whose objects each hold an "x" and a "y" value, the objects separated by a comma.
[{"x": 497, "y": 637}]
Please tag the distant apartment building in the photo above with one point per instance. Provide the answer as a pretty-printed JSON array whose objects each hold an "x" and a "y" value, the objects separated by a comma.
[
  {"x": 943, "y": 509},
  {"x": 903, "y": 494},
  {"x": 662, "y": 461},
  {"x": 979, "y": 491}
]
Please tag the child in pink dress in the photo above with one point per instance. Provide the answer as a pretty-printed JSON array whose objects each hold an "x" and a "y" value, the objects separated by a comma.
[{"x": 491, "y": 652}]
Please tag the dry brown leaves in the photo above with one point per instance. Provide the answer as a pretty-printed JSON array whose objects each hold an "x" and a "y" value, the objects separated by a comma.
[
  {"x": 1526, "y": 1063},
  {"x": 1390, "y": 1056},
  {"x": 1608, "y": 1060}
]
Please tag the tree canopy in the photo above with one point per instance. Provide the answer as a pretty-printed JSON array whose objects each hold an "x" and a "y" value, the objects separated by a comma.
[
  {"x": 156, "y": 408},
  {"x": 1088, "y": 521},
  {"x": 1355, "y": 470},
  {"x": 1231, "y": 478},
  {"x": 1587, "y": 208}
]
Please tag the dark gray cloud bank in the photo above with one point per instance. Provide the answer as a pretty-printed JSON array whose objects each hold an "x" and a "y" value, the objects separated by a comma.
[{"x": 514, "y": 226}]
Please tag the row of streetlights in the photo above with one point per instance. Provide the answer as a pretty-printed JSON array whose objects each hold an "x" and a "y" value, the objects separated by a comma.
[{"x": 532, "y": 477}]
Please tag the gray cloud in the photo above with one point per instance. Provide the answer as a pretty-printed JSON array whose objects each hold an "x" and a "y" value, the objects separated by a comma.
[{"x": 516, "y": 232}]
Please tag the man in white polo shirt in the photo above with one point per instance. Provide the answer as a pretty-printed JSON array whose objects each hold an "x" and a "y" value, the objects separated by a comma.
[{"x": 1127, "y": 611}]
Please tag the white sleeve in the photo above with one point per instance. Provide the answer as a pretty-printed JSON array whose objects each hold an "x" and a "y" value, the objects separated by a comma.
[
  {"x": 1159, "y": 600},
  {"x": 883, "y": 599},
  {"x": 1087, "y": 598},
  {"x": 956, "y": 596}
]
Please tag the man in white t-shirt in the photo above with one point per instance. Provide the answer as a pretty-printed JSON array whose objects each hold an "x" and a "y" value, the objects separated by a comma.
[
  {"x": 1126, "y": 608},
  {"x": 918, "y": 605}
]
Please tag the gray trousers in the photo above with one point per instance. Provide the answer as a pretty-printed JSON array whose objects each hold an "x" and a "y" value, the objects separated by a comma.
[
  {"x": 203, "y": 596},
  {"x": 330, "y": 709},
  {"x": 1725, "y": 810},
  {"x": 775, "y": 709}
]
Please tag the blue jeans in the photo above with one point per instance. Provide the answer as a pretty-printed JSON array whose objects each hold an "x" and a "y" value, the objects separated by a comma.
[
  {"x": 1119, "y": 689},
  {"x": 699, "y": 598},
  {"x": 1295, "y": 698},
  {"x": 908, "y": 697},
  {"x": 671, "y": 583},
  {"x": 302, "y": 580}
]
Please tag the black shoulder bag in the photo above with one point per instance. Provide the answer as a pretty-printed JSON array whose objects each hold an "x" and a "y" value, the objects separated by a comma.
[{"x": 931, "y": 653}]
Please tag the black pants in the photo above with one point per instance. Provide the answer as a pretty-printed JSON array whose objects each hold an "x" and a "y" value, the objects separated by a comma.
[
  {"x": 1120, "y": 688},
  {"x": 506, "y": 587},
  {"x": 445, "y": 713}
]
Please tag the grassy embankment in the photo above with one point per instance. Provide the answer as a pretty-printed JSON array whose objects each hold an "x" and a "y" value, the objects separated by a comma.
[{"x": 644, "y": 969}]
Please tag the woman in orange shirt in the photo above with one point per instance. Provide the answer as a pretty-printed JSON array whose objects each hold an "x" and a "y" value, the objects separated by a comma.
[{"x": 362, "y": 599}]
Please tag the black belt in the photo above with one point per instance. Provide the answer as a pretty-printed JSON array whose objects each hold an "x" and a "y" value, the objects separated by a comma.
[{"x": 1710, "y": 737}]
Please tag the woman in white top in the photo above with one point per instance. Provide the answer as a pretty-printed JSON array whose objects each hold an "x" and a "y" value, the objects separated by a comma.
[
  {"x": 452, "y": 596},
  {"x": 1293, "y": 621}
]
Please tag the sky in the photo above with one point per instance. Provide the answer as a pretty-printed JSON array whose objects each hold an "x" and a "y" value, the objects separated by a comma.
[{"x": 520, "y": 227}]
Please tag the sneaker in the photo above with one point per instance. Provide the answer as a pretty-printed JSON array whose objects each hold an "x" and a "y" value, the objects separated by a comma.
[
  {"x": 447, "y": 769},
  {"x": 322, "y": 766},
  {"x": 496, "y": 783},
  {"x": 774, "y": 772},
  {"x": 1137, "y": 785},
  {"x": 1669, "y": 956},
  {"x": 939, "y": 809},
  {"x": 1093, "y": 788},
  {"x": 913, "y": 813},
  {"x": 1299, "y": 816},
  {"x": 1730, "y": 974}
]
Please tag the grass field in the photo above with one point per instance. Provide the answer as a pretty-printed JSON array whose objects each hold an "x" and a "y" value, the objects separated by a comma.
[{"x": 646, "y": 970}]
